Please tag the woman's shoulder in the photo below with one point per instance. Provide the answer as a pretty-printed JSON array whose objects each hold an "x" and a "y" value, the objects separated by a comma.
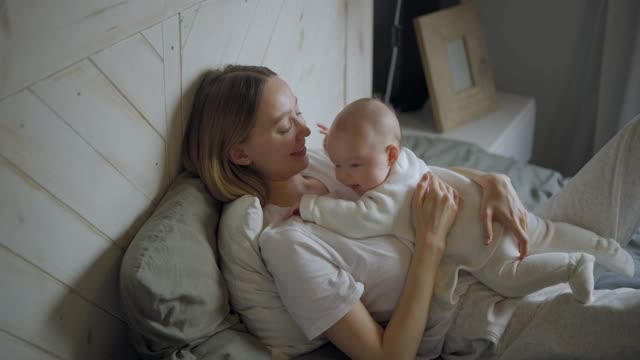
[
  {"x": 288, "y": 239},
  {"x": 278, "y": 226}
]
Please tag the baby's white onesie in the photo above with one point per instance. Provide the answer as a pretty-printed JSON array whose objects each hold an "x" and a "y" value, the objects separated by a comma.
[{"x": 387, "y": 210}]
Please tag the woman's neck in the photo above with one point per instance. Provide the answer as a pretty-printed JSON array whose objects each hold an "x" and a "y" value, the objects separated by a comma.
[{"x": 288, "y": 192}]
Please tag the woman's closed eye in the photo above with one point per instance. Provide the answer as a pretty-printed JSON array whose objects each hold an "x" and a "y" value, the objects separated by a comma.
[{"x": 285, "y": 130}]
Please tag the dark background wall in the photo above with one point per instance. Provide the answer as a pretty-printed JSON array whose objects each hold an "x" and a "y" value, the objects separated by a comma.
[{"x": 409, "y": 90}]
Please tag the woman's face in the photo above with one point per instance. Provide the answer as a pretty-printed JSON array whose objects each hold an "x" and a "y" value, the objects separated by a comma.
[{"x": 276, "y": 145}]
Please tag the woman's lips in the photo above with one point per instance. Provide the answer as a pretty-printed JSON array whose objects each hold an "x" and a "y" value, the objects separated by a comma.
[{"x": 302, "y": 152}]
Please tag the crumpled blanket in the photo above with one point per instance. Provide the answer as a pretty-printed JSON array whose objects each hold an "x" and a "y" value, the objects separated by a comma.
[{"x": 602, "y": 197}]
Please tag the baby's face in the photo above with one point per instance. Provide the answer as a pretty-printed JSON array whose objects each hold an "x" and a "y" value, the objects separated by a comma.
[{"x": 359, "y": 162}]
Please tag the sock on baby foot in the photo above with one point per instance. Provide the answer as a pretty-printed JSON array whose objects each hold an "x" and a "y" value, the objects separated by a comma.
[
  {"x": 610, "y": 254},
  {"x": 581, "y": 277}
]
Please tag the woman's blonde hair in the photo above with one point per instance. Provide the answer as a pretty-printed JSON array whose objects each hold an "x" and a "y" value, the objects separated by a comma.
[{"x": 223, "y": 115}]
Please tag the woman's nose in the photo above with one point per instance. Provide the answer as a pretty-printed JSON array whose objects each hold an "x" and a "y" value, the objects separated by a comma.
[{"x": 302, "y": 129}]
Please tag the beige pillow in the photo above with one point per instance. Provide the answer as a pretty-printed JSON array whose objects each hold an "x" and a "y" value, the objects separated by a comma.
[
  {"x": 252, "y": 289},
  {"x": 173, "y": 294}
]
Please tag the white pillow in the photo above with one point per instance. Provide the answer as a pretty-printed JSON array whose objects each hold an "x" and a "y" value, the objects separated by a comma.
[{"x": 252, "y": 290}]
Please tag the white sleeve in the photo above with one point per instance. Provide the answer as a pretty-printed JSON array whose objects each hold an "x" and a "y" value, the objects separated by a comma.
[
  {"x": 371, "y": 215},
  {"x": 316, "y": 292}
]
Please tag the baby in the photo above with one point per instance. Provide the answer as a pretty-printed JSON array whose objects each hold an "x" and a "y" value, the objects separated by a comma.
[{"x": 364, "y": 145}]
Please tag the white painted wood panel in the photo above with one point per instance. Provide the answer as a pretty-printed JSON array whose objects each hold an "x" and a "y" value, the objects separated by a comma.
[
  {"x": 286, "y": 49},
  {"x": 90, "y": 104},
  {"x": 307, "y": 50},
  {"x": 214, "y": 35},
  {"x": 42, "y": 37},
  {"x": 48, "y": 234},
  {"x": 187, "y": 19},
  {"x": 154, "y": 36},
  {"x": 15, "y": 348},
  {"x": 44, "y": 312},
  {"x": 34, "y": 139},
  {"x": 258, "y": 37},
  {"x": 137, "y": 71},
  {"x": 78, "y": 171},
  {"x": 173, "y": 93},
  {"x": 359, "y": 50}
]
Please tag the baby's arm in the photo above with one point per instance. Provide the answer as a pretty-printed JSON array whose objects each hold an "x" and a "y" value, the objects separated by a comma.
[{"x": 371, "y": 215}]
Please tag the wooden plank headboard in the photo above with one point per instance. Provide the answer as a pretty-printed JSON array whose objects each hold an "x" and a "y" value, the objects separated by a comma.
[{"x": 93, "y": 101}]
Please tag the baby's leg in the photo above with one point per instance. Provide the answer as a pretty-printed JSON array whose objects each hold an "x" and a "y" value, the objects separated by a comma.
[
  {"x": 511, "y": 277},
  {"x": 548, "y": 236}
]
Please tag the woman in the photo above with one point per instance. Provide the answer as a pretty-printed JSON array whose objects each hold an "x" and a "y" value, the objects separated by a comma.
[{"x": 246, "y": 135}]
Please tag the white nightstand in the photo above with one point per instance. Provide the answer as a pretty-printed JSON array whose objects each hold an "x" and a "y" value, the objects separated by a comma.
[{"x": 508, "y": 131}]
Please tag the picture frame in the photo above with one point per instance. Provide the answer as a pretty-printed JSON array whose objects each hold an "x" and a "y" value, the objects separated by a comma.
[{"x": 456, "y": 65}]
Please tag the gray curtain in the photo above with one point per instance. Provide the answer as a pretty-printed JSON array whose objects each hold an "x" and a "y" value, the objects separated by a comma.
[{"x": 580, "y": 60}]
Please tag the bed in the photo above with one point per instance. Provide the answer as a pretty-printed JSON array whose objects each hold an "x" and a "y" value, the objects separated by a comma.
[
  {"x": 92, "y": 110},
  {"x": 223, "y": 334}
]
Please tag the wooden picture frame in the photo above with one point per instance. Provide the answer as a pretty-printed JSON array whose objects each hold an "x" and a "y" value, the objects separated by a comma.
[{"x": 456, "y": 65}]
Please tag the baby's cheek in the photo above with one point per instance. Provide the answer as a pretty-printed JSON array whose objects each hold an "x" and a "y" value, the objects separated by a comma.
[{"x": 379, "y": 176}]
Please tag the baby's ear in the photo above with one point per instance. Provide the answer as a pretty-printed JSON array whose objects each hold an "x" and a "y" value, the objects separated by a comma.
[{"x": 392, "y": 154}]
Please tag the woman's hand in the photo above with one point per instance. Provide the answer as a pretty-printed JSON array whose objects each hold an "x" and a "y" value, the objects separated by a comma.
[
  {"x": 500, "y": 203},
  {"x": 434, "y": 208}
]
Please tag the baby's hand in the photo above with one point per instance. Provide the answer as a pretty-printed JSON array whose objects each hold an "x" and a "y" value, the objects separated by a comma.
[
  {"x": 293, "y": 210},
  {"x": 324, "y": 131}
]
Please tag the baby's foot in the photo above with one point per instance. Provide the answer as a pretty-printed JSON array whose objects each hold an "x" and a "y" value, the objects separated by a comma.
[
  {"x": 581, "y": 277},
  {"x": 610, "y": 254}
]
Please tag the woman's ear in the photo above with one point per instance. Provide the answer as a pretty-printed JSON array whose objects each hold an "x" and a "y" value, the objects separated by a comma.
[
  {"x": 238, "y": 156},
  {"x": 392, "y": 154}
]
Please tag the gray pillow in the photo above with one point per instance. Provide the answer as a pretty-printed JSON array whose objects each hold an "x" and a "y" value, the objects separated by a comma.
[{"x": 172, "y": 292}]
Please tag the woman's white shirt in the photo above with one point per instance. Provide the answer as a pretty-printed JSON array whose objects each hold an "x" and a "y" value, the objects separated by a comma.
[{"x": 320, "y": 274}]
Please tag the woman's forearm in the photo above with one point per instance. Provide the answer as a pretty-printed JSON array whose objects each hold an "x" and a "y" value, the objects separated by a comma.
[
  {"x": 470, "y": 173},
  {"x": 404, "y": 332}
]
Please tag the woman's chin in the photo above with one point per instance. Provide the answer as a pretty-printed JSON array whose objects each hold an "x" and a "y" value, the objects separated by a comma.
[
  {"x": 304, "y": 160},
  {"x": 301, "y": 157}
]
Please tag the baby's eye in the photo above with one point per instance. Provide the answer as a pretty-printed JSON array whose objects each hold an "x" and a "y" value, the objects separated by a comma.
[{"x": 355, "y": 165}]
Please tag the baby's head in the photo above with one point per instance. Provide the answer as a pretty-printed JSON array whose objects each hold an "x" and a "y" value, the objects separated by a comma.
[{"x": 363, "y": 143}]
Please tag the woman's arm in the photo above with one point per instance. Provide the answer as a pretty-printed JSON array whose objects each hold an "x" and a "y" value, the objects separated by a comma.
[
  {"x": 500, "y": 203},
  {"x": 434, "y": 208}
]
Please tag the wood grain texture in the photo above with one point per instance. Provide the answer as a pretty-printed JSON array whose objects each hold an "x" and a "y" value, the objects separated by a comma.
[
  {"x": 434, "y": 32},
  {"x": 43, "y": 36},
  {"x": 153, "y": 35},
  {"x": 359, "y": 50},
  {"x": 214, "y": 35},
  {"x": 173, "y": 98},
  {"x": 96, "y": 110},
  {"x": 16, "y": 348},
  {"x": 39, "y": 143},
  {"x": 48, "y": 234},
  {"x": 136, "y": 69},
  {"x": 309, "y": 53},
  {"x": 94, "y": 97},
  {"x": 45, "y": 313}
]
